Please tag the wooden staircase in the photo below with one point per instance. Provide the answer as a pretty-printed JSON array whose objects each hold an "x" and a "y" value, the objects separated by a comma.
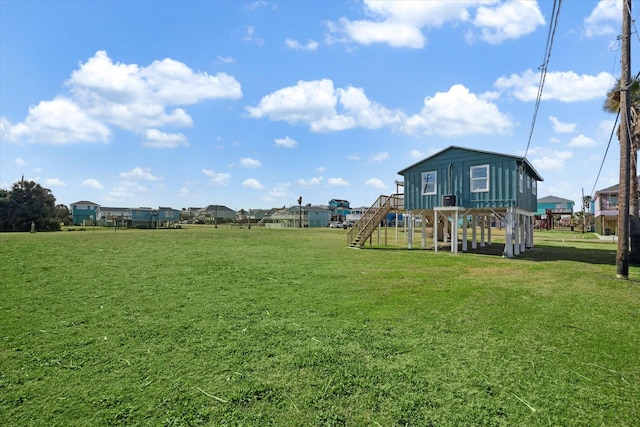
[{"x": 372, "y": 218}]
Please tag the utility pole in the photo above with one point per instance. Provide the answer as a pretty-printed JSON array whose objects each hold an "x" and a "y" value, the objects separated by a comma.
[
  {"x": 300, "y": 209},
  {"x": 622, "y": 255},
  {"x": 584, "y": 214}
]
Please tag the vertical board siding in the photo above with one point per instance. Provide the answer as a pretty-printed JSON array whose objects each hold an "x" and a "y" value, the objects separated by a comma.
[{"x": 503, "y": 181}]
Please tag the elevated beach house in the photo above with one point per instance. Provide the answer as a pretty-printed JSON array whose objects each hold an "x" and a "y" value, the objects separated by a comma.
[{"x": 468, "y": 188}]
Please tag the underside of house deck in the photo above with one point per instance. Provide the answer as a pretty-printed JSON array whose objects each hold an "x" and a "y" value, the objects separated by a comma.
[
  {"x": 454, "y": 227},
  {"x": 518, "y": 226}
]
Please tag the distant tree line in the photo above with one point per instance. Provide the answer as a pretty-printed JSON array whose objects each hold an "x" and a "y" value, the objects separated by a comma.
[{"x": 27, "y": 202}]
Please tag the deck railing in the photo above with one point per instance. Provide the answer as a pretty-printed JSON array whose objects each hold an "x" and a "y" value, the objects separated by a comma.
[{"x": 371, "y": 219}]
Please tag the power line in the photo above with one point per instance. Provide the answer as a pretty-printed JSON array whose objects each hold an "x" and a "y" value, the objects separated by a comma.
[
  {"x": 553, "y": 24},
  {"x": 613, "y": 67},
  {"x": 637, "y": 77},
  {"x": 613, "y": 129},
  {"x": 605, "y": 153}
]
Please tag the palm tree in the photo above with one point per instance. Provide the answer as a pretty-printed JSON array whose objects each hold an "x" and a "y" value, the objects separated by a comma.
[{"x": 612, "y": 105}]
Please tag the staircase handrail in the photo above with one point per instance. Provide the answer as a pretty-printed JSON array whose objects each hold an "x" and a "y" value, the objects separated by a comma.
[{"x": 367, "y": 217}]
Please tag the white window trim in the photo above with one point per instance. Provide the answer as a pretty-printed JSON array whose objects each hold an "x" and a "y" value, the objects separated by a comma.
[
  {"x": 534, "y": 187},
  {"x": 435, "y": 182},
  {"x": 521, "y": 181},
  {"x": 480, "y": 190}
]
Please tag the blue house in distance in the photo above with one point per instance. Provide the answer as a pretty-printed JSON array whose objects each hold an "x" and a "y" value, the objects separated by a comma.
[
  {"x": 463, "y": 183},
  {"x": 143, "y": 217},
  {"x": 340, "y": 209},
  {"x": 551, "y": 206},
  {"x": 83, "y": 212}
]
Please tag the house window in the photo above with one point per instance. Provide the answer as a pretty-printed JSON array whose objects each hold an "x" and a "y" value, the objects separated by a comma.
[
  {"x": 521, "y": 181},
  {"x": 534, "y": 187},
  {"x": 479, "y": 178},
  {"x": 528, "y": 182},
  {"x": 429, "y": 182},
  {"x": 610, "y": 202}
]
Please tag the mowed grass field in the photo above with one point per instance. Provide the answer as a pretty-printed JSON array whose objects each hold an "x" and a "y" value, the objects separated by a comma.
[{"x": 259, "y": 327}]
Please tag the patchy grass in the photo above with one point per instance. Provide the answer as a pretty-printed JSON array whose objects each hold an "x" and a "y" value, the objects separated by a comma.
[{"x": 205, "y": 326}]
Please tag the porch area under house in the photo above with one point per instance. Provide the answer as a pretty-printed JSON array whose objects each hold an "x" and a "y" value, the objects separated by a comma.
[
  {"x": 460, "y": 223},
  {"x": 462, "y": 228}
]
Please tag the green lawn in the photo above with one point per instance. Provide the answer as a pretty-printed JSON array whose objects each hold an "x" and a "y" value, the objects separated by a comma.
[{"x": 256, "y": 327}]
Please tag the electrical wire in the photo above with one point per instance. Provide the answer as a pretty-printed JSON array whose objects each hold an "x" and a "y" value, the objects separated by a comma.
[
  {"x": 633, "y": 24},
  {"x": 553, "y": 24},
  {"x": 613, "y": 130},
  {"x": 613, "y": 71},
  {"x": 636, "y": 79}
]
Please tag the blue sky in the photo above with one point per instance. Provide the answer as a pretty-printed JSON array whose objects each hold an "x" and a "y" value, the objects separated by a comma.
[{"x": 251, "y": 104}]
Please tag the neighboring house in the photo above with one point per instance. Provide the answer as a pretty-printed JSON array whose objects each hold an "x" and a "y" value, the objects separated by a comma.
[
  {"x": 145, "y": 217},
  {"x": 604, "y": 206},
  {"x": 107, "y": 216},
  {"x": 316, "y": 216},
  {"x": 257, "y": 215},
  {"x": 312, "y": 216},
  {"x": 339, "y": 208},
  {"x": 216, "y": 213},
  {"x": 605, "y": 210},
  {"x": 83, "y": 212},
  {"x": 190, "y": 213},
  {"x": 356, "y": 213},
  {"x": 474, "y": 185},
  {"x": 557, "y": 206},
  {"x": 142, "y": 217}
]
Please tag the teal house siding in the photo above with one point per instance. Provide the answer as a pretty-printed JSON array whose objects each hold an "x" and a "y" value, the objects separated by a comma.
[
  {"x": 556, "y": 204},
  {"x": 340, "y": 208},
  {"x": 453, "y": 168},
  {"x": 83, "y": 211}
]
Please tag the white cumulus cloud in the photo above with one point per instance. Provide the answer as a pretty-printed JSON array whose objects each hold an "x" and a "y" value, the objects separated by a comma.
[
  {"x": 286, "y": 142},
  {"x": 338, "y": 182},
  {"x": 279, "y": 192},
  {"x": 375, "y": 183},
  {"x": 547, "y": 159},
  {"x": 402, "y": 23},
  {"x": 508, "y": 20},
  {"x": 219, "y": 179},
  {"x": 158, "y": 139},
  {"x": 324, "y": 108},
  {"x": 139, "y": 173},
  {"x": 395, "y": 34},
  {"x": 248, "y": 162},
  {"x": 126, "y": 190},
  {"x": 458, "y": 112},
  {"x": 417, "y": 154},
  {"x": 59, "y": 121},
  {"x": 561, "y": 127},
  {"x": 312, "y": 182},
  {"x": 604, "y": 19},
  {"x": 54, "y": 182},
  {"x": 581, "y": 141},
  {"x": 253, "y": 184},
  {"x": 92, "y": 183},
  {"x": 295, "y": 44},
  {"x": 378, "y": 157},
  {"x": 103, "y": 94},
  {"x": 564, "y": 86}
]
